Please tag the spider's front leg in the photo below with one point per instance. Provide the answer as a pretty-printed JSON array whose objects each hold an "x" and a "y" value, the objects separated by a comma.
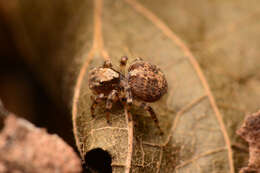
[
  {"x": 112, "y": 98},
  {"x": 152, "y": 114},
  {"x": 123, "y": 62},
  {"x": 96, "y": 100}
]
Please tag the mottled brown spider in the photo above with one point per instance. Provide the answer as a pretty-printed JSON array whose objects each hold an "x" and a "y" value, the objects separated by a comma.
[{"x": 144, "y": 82}]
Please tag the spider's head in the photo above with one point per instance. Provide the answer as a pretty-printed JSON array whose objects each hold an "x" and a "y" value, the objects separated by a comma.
[{"x": 103, "y": 80}]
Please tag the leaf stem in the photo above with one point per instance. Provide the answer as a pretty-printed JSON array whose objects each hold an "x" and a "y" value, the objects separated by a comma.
[{"x": 130, "y": 124}]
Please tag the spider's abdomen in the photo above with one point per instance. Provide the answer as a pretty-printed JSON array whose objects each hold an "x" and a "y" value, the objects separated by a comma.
[
  {"x": 103, "y": 80},
  {"x": 147, "y": 82}
]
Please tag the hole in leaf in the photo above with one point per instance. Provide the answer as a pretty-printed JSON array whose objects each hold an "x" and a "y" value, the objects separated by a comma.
[{"x": 98, "y": 160}]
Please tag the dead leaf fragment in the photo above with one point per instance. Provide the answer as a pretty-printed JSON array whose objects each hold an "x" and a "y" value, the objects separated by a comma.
[
  {"x": 250, "y": 132},
  {"x": 27, "y": 149}
]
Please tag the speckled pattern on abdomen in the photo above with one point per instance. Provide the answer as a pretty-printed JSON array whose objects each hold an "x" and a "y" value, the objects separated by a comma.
[{"x": 146, "y": 81}]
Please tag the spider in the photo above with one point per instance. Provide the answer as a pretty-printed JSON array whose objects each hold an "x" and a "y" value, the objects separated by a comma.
[{"x": 143, "y": 83}]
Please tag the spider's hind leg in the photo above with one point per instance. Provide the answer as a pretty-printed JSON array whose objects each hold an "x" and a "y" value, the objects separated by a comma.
[
  {"x": 128, "y": 101},
  {"x": 112, "y": 98},
  {"x": 128, "y": 98},
  {"x": 152, "y": 114}
]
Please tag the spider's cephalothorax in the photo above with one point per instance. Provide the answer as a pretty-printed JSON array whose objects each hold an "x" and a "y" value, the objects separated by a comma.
[
  {"x": 104, "y": 80},
  {"x": 144, "y": 82}
]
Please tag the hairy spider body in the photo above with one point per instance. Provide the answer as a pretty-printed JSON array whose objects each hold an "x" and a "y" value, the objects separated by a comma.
[
  {"x": 103, "y": 80},
  {"x": 147, "y": 82},
  {"x": 144, "y": 82}
]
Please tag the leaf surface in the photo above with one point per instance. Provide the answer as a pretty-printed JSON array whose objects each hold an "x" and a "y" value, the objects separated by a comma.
[
  {"x": 224, "y": 37},
  {"x": 195, "y": 137}
]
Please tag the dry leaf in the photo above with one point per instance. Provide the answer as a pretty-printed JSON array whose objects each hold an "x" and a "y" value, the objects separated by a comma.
[
  {"x": 222, "y": 36},
  {"x": 196, "y": 139}
]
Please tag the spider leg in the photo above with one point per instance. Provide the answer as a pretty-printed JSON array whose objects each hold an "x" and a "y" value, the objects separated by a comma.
[
  {"x": 129, "y": 115},
  {"x": 152, "y": 114},
  {"x": 126, "y": 107},
  {"x": 127, "y": 99},
  {"x": 96, "y": 100},
  {"x": 112, "y": 98},
  {"x": 123, "y": 62},
  {"x": 128, "y": 95}
]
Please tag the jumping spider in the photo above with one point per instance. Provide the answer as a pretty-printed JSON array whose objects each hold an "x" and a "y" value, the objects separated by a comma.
[{"x": 144, "y": 82}]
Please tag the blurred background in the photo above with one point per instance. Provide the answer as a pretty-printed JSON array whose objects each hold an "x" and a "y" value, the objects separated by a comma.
[{"x": 23, "y": 94}]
